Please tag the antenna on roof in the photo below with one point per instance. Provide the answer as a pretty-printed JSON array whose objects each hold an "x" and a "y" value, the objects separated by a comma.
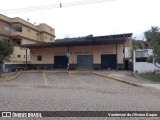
[{"x": 27, "y": 19}]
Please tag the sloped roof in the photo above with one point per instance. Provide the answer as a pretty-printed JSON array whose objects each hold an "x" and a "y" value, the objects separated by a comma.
[{"x": 83, "y": 41}]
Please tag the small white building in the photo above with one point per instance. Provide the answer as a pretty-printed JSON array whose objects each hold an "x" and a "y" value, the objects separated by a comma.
[{"x": 140, "y": 63}]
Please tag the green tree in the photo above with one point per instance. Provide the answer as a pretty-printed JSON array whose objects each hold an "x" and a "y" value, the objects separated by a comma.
[
  {"x": 153, "y": 38},
  {"x": 6, "y": 49}
]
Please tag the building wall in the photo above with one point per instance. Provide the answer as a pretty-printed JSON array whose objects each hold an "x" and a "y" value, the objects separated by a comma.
[
  {"x": 46, "y": 37},
  {"x": 4, "y": 18},
  {"x": 25, "y": 41},
  {"x": 144, "y": 67},
  {"x": 20, "y": 21},
  {"x": 49, "y": 53},
  {"x": 45, "y": 28},
  {"x": 29, "y": 31},
  {"x": 42, "y": 35},
  {"x": 19, "y": 55},
  {"x": 128, "y": 42},
  {"x": 2, "y": 29},
  {"x": 26, "y": 33},
  {"x": 127, "y": 52},
  {"x": 30, "y": 34},
  {"x": 46, "y": 33}
]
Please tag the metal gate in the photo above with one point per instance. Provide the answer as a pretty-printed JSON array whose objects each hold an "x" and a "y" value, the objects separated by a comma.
[
  {"x": 60, "y": 62},
  {"x": 85, "y": 61},
  {"x": 109, "y": 61}
]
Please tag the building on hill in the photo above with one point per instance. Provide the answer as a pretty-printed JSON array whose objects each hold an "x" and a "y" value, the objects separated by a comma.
[{"x": 19, "y": 32}]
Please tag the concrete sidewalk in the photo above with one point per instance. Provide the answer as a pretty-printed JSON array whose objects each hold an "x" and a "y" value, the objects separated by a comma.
[
  {"x": 157, "y": 86},
  {"x": 129, "y": 76}
]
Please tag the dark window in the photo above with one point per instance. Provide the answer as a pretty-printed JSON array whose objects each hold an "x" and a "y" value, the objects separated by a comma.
[
  {"x": 39, "y": 58},
  {"x": 18, "y": 29},
  {"x": 18, "y": 56},
  {"x": 142, "y": 59},
  {"x": 18, "y": 42},
  {"x": 141, "y": 56}
]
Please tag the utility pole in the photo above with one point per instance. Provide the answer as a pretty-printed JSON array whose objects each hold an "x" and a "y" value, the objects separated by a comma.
[{"x": 26, "y": 59}]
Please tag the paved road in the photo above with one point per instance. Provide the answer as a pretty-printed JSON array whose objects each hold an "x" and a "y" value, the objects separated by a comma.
[{"x": 75, "y": 92}]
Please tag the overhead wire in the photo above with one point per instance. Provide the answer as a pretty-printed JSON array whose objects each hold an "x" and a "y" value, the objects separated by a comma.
[{"x": 60, "y": 5}]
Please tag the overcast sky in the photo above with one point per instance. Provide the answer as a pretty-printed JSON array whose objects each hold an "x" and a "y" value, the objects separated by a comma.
[{"x": 112, "y": 17}]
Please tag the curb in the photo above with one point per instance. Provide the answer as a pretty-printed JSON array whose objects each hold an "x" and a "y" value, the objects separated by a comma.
[
  {"x": 14, "y": 77},
  {"x": 80, "y": 72},
  {"x": 55, "y": 72},
  {"x": 32, "y": 71},
  {"x": 42, "y": 71},
  {"x": 118, "y": 79}
]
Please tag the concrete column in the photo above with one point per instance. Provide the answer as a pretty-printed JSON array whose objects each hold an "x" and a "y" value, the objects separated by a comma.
[
  {"x": 26, "y": 59},
  {"x": 116, "y": 58}
]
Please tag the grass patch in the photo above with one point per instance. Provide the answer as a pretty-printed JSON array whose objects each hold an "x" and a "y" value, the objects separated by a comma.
[{"x": 152, "y": 77}]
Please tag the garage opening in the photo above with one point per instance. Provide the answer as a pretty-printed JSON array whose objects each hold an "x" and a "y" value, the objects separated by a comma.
[
  {"x": 126, "y": 64},
  {"x": 109, "y": 61},
  {"x": 85, "y": 61},
  {"x": 60, "y": 62}
]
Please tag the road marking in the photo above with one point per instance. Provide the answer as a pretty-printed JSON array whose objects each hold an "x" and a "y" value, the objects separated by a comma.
[
  {"x": 11, "y": 78},
  {"x": 45, "y": 79},
  {"x": 81, "y": 80}
]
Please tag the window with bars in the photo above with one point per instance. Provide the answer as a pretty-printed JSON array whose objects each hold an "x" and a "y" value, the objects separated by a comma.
[
  {"x": 7, "y": 28},
  {"x": 39, "y": 58},
  {"x": 141, "y": 56}
]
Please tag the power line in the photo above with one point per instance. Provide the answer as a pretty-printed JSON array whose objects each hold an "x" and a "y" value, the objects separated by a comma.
[
  {"x": 60, "y": 5},
  {"x": 85, "y": 2}
]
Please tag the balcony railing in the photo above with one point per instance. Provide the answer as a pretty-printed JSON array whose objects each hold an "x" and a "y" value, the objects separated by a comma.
[{"x": 16, "y": 33}]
